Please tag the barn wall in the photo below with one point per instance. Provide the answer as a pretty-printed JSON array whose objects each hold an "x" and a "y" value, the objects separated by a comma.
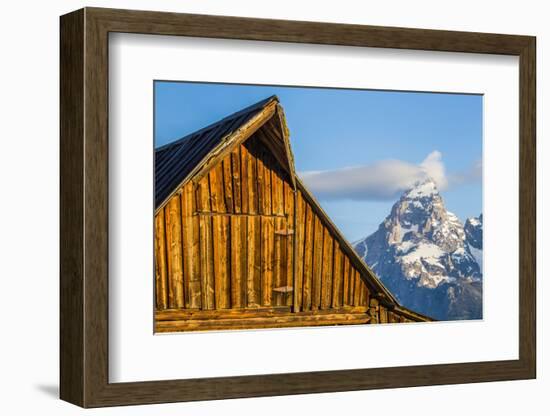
[
  {"x": 325, "y": 276},
  {"x": 227, "y": 241},
  {"x": 230, "y": 241}
]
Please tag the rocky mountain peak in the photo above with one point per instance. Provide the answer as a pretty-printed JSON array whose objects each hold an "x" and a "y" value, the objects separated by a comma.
[
  {"x": 421, "y": 249},
  {"x": 422, "y": 189},
  {"x": 421, "y": 213},
  {"x": 473, "y": 227}
]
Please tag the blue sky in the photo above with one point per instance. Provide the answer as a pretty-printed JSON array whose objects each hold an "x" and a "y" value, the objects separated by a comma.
[{"x": 333, "y": 130}]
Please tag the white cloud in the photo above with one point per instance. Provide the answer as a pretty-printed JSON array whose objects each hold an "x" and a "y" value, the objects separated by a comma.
[
  {"x": 434, "y": 168},
  {"x": 383, "y": 180}
]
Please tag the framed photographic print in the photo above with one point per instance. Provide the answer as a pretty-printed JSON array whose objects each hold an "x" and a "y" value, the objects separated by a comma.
[{"x": 256, "y": 207}]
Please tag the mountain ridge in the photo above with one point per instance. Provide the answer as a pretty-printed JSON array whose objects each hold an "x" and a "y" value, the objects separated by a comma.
[{"x": 426, "y": 257}]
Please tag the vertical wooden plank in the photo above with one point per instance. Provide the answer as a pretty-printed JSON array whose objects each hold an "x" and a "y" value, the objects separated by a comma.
[
  {"x": 221, "y": 244},
  {"x": 217, "y": 189},
  {"x": 184, "y": 244},
  {"x": 267, "y": 207},
  {"x": 191, "y": 263},
  {"x": 252, "y": 181},
  {"x": 279, "y": 263},
  {"x": 289, "y": 210},
  {"x": 205, "y": 244},
  {"x": 238, "y": 258},
  {"x": 260, "y": 179},
  {"x": 351, "y": 285},
  {"x": 309, "y": 228},
  {"x": 228, "y": 184},
  {"x": 267, "y": 260},
  {"x": 244, "y": 179},
  {"x": 161, "y": 300},
  {"x": 326, "y": 282},
  {"x": 337, "y": 278},
  {"x": 373, "y": 311},
  {"x": 298, "y": 257},
  {"x": 364, "y": 297},
  {"x": 346, "y": 284},
  {"x": 220, "y": 238},
  {"x": 174, "y": 253},
  {"x": 317, "y": 264},
  {"x": 242, "y": 257},
  {"x": 383, "y": 315},
  {"x": 277, "y": 203},
  {"x": 277, "y": 190},
  {"x": 357, "y": 290},
  {"x": 207, "y": 263},
  {"x": 203, "y": 195},
  {"x": 236, "y": 171},
  {"x": 253, "y": 262}
]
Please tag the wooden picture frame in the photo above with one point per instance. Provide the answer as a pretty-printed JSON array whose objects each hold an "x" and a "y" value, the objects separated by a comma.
[{"x": 84, "y": 207}]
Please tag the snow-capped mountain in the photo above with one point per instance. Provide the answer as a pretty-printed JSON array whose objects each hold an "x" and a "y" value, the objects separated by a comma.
[
  {"x": 427, "y": 258},
  {"x": 474, "y": 237}
]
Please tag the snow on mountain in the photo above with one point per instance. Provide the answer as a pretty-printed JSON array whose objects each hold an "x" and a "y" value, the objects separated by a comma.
[
  {"x": 424, "y": 254},
  {"x": 424, "y": 189},
  {"x": 474, "y": 237}
]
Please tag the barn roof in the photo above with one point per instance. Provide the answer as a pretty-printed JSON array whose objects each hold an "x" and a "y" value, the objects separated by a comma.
[{"x": 175, "y": 161}]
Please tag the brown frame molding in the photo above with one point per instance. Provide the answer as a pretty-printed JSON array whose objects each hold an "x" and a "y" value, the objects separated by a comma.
[{"x": 84, "y": 207}]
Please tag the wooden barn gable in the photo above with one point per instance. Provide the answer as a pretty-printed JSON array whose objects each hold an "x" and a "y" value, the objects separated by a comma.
[{"x": 241, "y": 243}]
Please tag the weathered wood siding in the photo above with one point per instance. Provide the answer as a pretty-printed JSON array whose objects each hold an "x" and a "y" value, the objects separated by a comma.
[
  {"x": 324, "y": 275},
  {"x": 239, "y": 247},
  {"x": 227, "y": 241}
]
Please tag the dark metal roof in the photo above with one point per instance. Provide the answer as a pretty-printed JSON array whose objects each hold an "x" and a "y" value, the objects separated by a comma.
[{"x": 174, "y": 161}]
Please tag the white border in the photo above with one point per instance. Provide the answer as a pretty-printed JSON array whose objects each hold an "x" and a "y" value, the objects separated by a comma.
[{"x": 135, "y": 354}]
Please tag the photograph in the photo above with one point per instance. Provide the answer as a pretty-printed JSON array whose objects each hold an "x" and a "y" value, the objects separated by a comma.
[{"x": 298, "y": 206}]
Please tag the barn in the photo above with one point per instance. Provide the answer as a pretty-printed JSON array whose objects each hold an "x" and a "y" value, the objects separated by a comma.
[{"x": 240, "y": 243}]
